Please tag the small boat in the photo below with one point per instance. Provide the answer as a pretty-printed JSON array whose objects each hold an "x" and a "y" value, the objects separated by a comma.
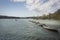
[
  {"x": 37, "y": 23},
  {"x": 41, "y": 25},
  {"x": 50, "y": 29},
  {"x": 15, "y": 19}
]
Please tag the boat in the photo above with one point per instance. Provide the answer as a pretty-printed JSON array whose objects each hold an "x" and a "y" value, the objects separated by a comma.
[
  {"x": 15, "y": 19},
  {"x": 45, "y": 26},
  {"x": 50, "y": 28}
]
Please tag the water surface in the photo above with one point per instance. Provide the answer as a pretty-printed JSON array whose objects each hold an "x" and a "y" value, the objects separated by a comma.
[{"x": 22, "y": 29}]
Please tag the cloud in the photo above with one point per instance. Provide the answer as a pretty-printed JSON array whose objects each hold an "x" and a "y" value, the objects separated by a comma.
[
  {"x": 17, "y": 0},
  {"x": 43, "y": 6}
]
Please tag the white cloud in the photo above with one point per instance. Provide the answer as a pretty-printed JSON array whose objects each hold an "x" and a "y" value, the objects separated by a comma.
[
  {"x": 17, "y": 0},
  {"x": 43, "y": 6}
]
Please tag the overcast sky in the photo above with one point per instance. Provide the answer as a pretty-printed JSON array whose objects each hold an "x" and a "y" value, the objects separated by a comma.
[{"x": 25, "y": 8}]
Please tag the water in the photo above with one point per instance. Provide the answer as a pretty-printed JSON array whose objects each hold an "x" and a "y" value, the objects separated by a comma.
[{"x": 22, "y": 29}]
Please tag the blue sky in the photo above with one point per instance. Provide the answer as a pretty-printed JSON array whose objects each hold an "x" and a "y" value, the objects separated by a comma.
[
  {"x": 14, "y": 8},
  {"x": 24, "y": 8}
]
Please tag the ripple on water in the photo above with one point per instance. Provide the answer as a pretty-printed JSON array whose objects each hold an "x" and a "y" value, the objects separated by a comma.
[{"x": 23, "y": 30}]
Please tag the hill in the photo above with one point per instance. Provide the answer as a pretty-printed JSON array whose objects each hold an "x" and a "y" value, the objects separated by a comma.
[{"x": 55, "y": 15}]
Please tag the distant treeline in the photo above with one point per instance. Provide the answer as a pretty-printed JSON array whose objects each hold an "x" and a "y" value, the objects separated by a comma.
[
  {"x": 12, "y": 17},
  {"x": 8, "y": 17},
  {"x": 55, "y": 16}
]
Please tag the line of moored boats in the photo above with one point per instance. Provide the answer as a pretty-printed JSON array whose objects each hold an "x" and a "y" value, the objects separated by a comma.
[{"x": 44, "y": 26}]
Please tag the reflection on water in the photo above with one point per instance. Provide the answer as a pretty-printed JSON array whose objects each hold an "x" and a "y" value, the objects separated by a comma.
[{"x": 22, "y": 29}]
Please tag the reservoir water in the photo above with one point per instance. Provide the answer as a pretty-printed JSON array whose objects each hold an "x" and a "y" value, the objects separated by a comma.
[{"x": 22, "y": 29}]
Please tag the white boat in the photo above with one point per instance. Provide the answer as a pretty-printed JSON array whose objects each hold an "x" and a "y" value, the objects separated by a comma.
[{"x": 50, "y": 28}]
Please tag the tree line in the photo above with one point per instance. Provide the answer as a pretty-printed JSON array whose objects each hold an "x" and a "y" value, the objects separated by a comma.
[{"x": 55, "y": 16}]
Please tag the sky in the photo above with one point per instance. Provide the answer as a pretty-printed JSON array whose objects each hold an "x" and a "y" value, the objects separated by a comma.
[{"x": 25, "y": 8}]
